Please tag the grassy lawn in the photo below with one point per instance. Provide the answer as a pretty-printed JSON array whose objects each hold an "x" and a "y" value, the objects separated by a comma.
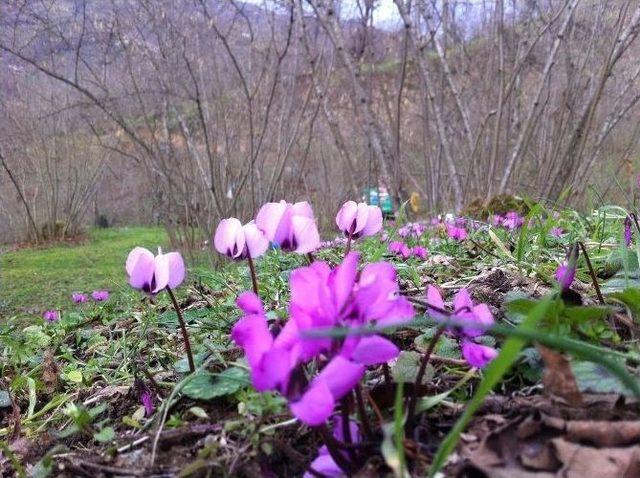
[{"x": 32, "y": 280}]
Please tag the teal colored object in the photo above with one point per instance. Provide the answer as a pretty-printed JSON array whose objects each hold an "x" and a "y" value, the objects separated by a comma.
[{"x": 380, "y": 198}]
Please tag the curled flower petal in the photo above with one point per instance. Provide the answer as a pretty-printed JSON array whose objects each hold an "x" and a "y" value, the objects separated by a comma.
[
  {"x": 374, "y": 350},
  {"x": 478, "y": 355}
]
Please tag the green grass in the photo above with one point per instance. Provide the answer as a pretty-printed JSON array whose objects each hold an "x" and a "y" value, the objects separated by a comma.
[{"x": 35, "y": 279}]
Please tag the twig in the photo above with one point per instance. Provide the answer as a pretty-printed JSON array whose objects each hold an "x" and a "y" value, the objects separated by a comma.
[{"x": 592, "y": 273}]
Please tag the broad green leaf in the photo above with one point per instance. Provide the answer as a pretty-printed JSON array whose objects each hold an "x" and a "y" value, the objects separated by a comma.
[
  {"x": 406, "y": 367},
  {"x": 631, "y": 298},
  {"x": 105, "y": 435},
  {"x": 595, "y": 378},
  {"x": 205, "y": 386},
  {"x": 620, "y": 282}
]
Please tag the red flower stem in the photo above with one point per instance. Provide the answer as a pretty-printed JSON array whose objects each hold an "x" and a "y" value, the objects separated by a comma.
[
  {"x": 183, "y": 328},
  {"x": 347, "y": 249},
  {"x": 592, "y": 273},
  {"x": 332, "y": 447},
  {"x": 362, "y": 413},
  {"x": 310, "y": 258},
  {"x": 346, "y": 429},
  {"x": 413, "y": 401},
  {"x": 252, "y": 269}
]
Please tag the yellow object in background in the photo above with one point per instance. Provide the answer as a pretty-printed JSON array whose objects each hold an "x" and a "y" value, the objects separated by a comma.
[{"x": 414, "y": 201}]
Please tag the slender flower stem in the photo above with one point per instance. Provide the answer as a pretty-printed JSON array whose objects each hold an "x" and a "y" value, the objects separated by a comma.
[
  {"x": 362, "y": 413},
  {"x": 348, "y": 246},
  {"x": 387, "y": 373},
  {"x": 413, "y": 401},
  {"x": 183, "y": 328},
  {"x": 346, "y": 428},
  {"x": 310, "y": 258},
  {"x": 592, "y": 273},
  {"x": 252, "y": 269},
  {"x": 332, "y": 447}
]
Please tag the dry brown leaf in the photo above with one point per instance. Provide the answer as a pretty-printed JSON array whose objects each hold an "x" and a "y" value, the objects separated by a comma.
[{"x": 558, "y": 378}]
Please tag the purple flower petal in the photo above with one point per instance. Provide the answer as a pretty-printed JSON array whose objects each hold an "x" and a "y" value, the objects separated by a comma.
[
  {"x": 315, "y": 406},
  {"x": 477, "y": 355},
  {"x": 341, "y": 376},
  {"x": 374, "y": 350},
  {"x": 229, "y": 238},
  {"x": 250, "y": 303},
  {"x": 140, "y": 266}
]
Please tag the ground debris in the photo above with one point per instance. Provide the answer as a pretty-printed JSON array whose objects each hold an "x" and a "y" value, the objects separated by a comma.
[{"x": 539, "y": 445}]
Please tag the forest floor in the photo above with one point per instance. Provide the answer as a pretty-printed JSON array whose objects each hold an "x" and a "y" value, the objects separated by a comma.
[{"x": 105, "y": 389}]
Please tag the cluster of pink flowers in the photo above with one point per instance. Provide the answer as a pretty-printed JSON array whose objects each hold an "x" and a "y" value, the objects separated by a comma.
[
  {"x": 511, "y": 220},
  {"x": 401, "y": 249},
  {"x": 321, "y": 299},
  {"x": 77, "y": 298},
  {"x": 412, "y": 229},
  {"x": 470, "y": 322}
]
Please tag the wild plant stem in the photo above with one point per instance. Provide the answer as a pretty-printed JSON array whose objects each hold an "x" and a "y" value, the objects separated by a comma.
[
  {"x": 332, "y": 447},
  {"x": 183, "y": 328},
  {"x": 347, "y": 249},
  {"x": 592, "y": 273},
  {"x": 362, "y": 413},
  {"x": 252, "y": 269},
  {"x": 413, "y": 401}
]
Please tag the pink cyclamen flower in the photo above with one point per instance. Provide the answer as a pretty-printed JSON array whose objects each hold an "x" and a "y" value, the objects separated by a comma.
[
  {"x": 565, "y": 275},
  {"x": 557, "y": 232},
  {"x": 51, "y": 315},
  {"x": 419, "y": 252},
  {"x": 78, "y": 298},
  {"x": 628, "y": 234},
  {"x": 359, "y": 220},
  {"x": 512, "y": 220},
  {"x": 100, "y": 295},
  {"x": 324, "y": 463},
  {"x": 154, "y": 273},
  {"x": 238, "y": 241},
  {"x": 322, "y": 298},
  {"x": 456, "y": 233},
  {"x": 291, "y": 227},
  {"x": 147, "y": 402},
  {"x": 471, "y": 322},
  {"x": 400, "y": 248}
]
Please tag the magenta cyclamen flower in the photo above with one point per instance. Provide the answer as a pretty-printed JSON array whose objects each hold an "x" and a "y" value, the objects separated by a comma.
[
  {"x": 419, "y": 252},
  {"x": 565, "y": 275},
  {"x": 400, "y": 249},
  {"x": 358, "y": 220},
  {"x": 322, "y": 298},
  {"x": 557, "y": 232},
  {"x": 238, "y": 241},
  {"x": 51, "y": 315},
  {"x": 78, "y": 298},
  {"x": 154, "y": 273},
  {"x": 456, "y": 233},
  {"x": 147, "y": 402},
  {"x": 628, "y": 234},
  {"x": 471, "y": 320},
  {"x": 291, "y": 227},
  {"x": 100, "y": 295},
  {"x": 512, "y": 220},
  {"x": 324, "y": 463}
]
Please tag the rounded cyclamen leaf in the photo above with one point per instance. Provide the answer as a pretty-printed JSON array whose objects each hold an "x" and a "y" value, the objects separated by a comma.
[
  {"x": 177, "y": 269},
  {"x": 229, "y": 237},
  {"x": 256, "y": 241}
]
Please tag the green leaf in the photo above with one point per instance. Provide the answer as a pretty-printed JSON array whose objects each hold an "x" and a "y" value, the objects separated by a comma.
[
  {"x": 5, "y": 399},
  {"x": 74, "y": 376},
  {"x": 205, "y": 386},
  {"x": 448, "y": 348},
  {"x": 595, "y": 378},
  {"x": 584, "y": 314},
  {"x": 105, "y": 435},
  {"x": 631, "y": 298},
  {"x": 406, "y": 367},
  {"x": 620, "y": 282}
]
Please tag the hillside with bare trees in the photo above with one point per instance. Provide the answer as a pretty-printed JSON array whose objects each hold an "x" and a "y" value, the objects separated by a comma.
[{"x": 183, "y": 112}]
